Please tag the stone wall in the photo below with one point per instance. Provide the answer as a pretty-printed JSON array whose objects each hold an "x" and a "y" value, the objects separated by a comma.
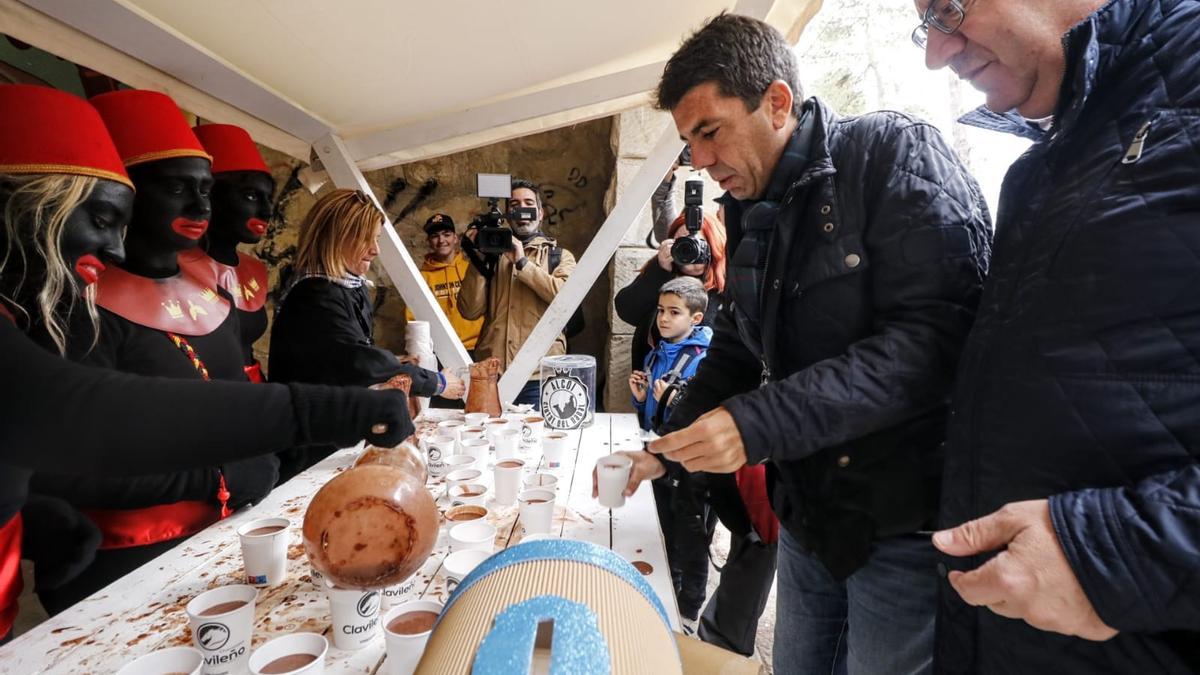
[{"x": 573, "y": 165}]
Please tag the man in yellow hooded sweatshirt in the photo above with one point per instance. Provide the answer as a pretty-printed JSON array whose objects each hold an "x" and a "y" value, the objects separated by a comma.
[{"x": 444, "y": 269}]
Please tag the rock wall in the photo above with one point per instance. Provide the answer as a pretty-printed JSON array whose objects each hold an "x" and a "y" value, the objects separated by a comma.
[{"x": 573, "y": 165}]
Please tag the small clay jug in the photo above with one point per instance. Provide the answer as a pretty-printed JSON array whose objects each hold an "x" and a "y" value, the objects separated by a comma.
[{"x": 484, "y": 395}]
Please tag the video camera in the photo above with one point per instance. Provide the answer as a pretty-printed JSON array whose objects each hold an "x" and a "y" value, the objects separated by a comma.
[
  {"x": 691, "y": 249},
  {"x": 494, "y": 237}
]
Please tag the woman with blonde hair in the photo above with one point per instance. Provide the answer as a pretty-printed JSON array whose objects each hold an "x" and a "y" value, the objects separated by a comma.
[
  {"x": 323, "y": 331},
  {"x": 65, "y": 200}
]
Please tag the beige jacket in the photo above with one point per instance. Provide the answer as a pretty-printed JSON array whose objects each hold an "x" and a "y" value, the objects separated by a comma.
[{"x": 513, "y": 302}]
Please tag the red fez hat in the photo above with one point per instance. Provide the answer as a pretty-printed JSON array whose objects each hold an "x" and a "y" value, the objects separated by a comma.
[
  {"x": 147, "y": 126},
  {"x": 43, "y": 130},
  {"x": 231, "y": 148}
]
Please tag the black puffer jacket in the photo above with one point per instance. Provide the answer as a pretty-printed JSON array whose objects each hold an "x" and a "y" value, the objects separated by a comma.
[
  {"x": 1081, "y": 379},
  {"x": 876, "y": 263}
]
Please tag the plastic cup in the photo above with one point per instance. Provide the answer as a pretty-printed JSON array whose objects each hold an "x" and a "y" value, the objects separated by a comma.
[
  {"x": 478, "y": 535},
  {"x": 612, "y": 475},
  {"x": 264, "y": 550},
  {"x": 537, "y": 510},
  {"x": 222, "y": 623},
  {"x": 507, "y": 480},
  {"x": 554, "y": 447},
  {"x": 450, "y": 427},
  {"x": 465, "y": 513},
  {"x": 475, "y": 447},
  {"x": 437, "y": 449},
  {"x": 392, "y": 595},
  {"x": 476, "y": 419},
  {"x": 469, "y": 494},
  {"x": 469, "y": 433},
  {"x": 355, "y": 616},
  {"x": 506, "y": 443},
  {"x": 459, "y": 564},
  {"x": 462, "y": 476},
  {"x": 455, "y": 462},
  {"x": 295, "y": 644},
  {"x": 544, "y": 481},
  {"x": 404, "y": 650},
  {"x": 532, "y": 427},
  {"x": 187, "y": 660}
]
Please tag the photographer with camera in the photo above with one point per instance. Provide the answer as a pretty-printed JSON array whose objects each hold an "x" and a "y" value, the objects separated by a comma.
[
  {"x": 513, "y": 278},
  {"x": 701, "y": 255}
]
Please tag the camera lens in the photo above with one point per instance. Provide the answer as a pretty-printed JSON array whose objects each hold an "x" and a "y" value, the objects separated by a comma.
[{"x": 689, "y": 250}]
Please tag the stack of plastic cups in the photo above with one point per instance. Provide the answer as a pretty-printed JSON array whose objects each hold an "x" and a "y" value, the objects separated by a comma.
[{"x": 418, "y": 343}]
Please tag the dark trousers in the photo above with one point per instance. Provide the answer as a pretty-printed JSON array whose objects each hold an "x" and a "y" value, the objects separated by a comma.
[
  {"x": 529, "y": 394},
  {"x": 687, "y": 525},
  {"x": 730, "y": 619}
]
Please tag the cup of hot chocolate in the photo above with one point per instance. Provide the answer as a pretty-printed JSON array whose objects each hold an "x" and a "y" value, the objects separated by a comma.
[
  {"x": 468, "y": 493},
  {"x": 537, "y": 510},
  {"x": 355, "y": 616},
  {"x": 465, "y": 513},
  {"x": 475, "y": 447},
  {"x": 295, "y": 654},
  {"x": 455, "y": 462},
  {"x": 264, "y": 550},
  {"x": 437, "y": 448},
  {"x": 544, "y": 481},
  {"x": 170, "y": 661},
  {"x": 476, "y": 419},
  {"x": 406, "y": 630},
  {"x": 222, "y": 623},
  {"x": 506, "y": 441},
  {"x": 507, "y": 480},
  {"x": 532, "y": 427},
  {"x": 554, "y": 447},
  {"x": 612, "y": 476}
]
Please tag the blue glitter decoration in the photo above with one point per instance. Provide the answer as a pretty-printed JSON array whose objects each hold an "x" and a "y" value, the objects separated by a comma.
[
  {"x": 577, "y": 646},
  {"x": 561, "y": 549}
]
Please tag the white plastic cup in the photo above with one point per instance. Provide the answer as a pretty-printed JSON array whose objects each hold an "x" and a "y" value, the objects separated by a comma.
[
  {"x": 532, "y": 427},
  {"x": 459, "y": 497},
  {"x": 475, "y": 447},
  {"x": 612, "y": 475},
  {"x": 393, "y": 595},
  {"x": 554, "y": 447},
  {"x": 507, "y": 480},
  {"x": 223, "y": 637},
  {"x": 459, "y": 564},
  {"x": 296, "y": 643},
  {"x": 506, "y": 443},
  {"x": 477, "y": 535},
  {"x": 467, "y": 433},
  {"x": 543, "y": 481},
  {"x": 187, "y": 660},
  {"x": 404, "y": 650},
  {"x": 437, "y": 449},
  {"x": 476, "y": 419},
  {"x": 455, "y": 462},
  {"x": 450, "y": 427},
  {"x": 537, "y": 510},
  {"x": 265, "y": 554},
  {"x": 494, "y": 426},
  {"x": 355, "y": 616},
  {"x": 462, "y": 476}
]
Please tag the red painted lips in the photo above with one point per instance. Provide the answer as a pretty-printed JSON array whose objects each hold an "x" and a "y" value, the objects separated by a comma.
[
  {"x": 89, "y": 268},
  {"x": 192, "y": 229},
  {"x": 257, "y": 226}
]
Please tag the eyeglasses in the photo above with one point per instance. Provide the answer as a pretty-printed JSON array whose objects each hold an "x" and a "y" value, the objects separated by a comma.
[{"x": 946, "y": 16}]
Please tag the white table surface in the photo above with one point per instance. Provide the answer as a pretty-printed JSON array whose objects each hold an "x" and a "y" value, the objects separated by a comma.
[{"x": 144, "y": 611}]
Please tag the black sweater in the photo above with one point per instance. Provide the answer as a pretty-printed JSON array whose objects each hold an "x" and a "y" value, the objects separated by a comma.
[{"x": 323, "y": 334}]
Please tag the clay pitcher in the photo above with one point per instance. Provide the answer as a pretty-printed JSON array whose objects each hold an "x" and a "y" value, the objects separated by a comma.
[{"x": 484, "y": 394}]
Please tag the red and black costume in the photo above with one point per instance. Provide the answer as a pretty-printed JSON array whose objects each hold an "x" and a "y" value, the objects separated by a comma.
[
  {"x": 177, "y": 324},
  {"x": 242, "y": 275}
]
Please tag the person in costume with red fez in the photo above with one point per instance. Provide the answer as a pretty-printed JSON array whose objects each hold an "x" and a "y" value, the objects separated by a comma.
[
  {"x": 241, "y": 208},
  {"x": 65, "y": 200},
  {"x": 158, "y": 318}
]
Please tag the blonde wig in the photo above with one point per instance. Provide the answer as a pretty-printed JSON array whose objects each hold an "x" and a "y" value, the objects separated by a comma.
[{"x": 34, "y": 217}]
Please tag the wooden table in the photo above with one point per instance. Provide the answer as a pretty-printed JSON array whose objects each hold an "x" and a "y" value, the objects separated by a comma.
[{"x": 144, "y": 611}]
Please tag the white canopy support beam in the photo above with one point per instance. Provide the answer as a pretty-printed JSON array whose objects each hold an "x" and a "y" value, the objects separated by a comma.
[
  {"x": 397, "y": 262},
  {"x": 593, "y": 263}
]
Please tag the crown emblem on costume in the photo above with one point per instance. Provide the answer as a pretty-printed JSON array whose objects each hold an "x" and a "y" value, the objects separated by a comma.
[
  {"x": 253, "y": 284},
  {"x": 247, "y": 293},
  {"x": 208, "y": 295},
  {"x": 196, "y": 310},
  {"x": 173, "y": 309}
]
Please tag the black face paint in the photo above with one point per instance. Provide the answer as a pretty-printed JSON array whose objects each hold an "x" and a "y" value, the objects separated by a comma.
[
  {"x": 172, "y": 208},
  {"x": 241, "y": 206},
  {"x": 94, "y": 232}
]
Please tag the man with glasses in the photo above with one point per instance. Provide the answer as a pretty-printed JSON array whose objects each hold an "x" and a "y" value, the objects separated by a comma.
[
  {"x": 859, "y": 247},
  {"x": 1072, "y": 480}
]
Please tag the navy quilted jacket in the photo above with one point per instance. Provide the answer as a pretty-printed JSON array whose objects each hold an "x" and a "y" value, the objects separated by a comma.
[{"x": 1081, "y": 378}]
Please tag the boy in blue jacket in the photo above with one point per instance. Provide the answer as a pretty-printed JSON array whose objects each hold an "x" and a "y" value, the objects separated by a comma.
[{"x": 681, "y": 305}]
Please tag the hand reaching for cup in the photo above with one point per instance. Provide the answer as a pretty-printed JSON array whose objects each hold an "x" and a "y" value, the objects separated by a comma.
[{"x": 455, "y": 387}]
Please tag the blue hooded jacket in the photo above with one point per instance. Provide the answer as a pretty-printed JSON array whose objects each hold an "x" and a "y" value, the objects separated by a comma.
[{"x": 660, "y": 361}]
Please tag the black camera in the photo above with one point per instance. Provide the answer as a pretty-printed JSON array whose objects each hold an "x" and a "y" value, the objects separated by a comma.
[
  {"x": 691, "y": 249},
  {"x": 493, "y": 237}
]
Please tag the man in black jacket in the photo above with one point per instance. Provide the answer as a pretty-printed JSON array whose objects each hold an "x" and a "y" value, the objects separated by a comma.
[{"x": 859, "y": 251}]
